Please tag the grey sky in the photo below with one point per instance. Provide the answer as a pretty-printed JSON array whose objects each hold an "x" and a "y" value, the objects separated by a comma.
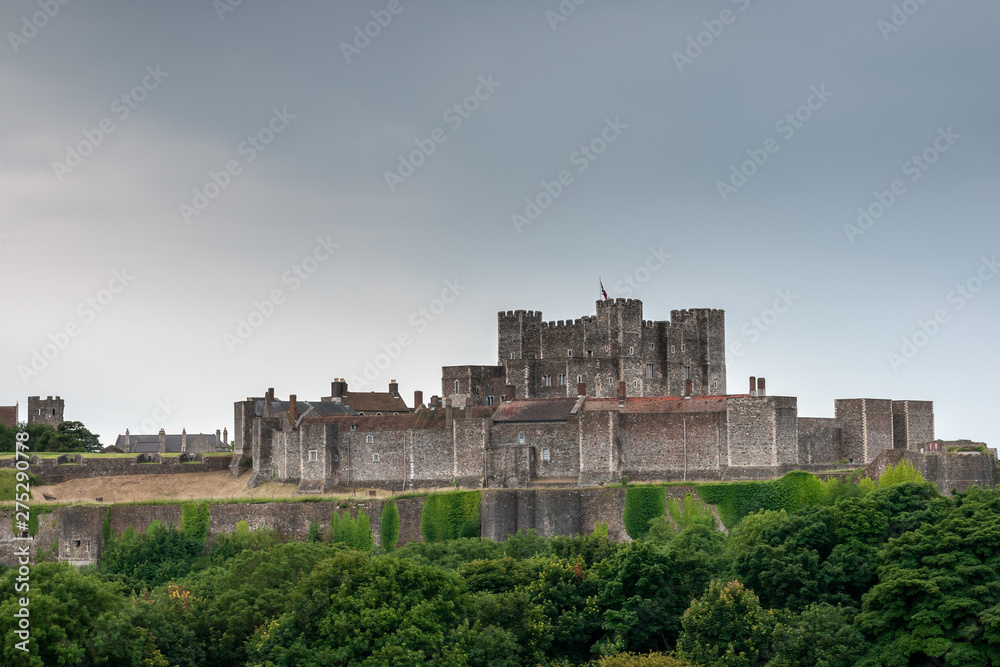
[{"x": 546, "y": 88}]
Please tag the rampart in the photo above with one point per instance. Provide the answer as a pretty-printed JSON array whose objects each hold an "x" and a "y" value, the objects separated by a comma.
[{"x": 80, "y": 466}]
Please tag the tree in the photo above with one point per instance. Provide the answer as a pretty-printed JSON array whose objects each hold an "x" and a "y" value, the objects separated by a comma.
[
  {"x": 354, "y": 608},
  {"x": 821, "y": 636},
  {"x": 726, "y": 627},
  {"x": 389, "y": 526}
]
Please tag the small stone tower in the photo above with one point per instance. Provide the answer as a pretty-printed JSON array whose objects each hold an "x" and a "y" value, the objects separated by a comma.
[{"x": 45, "y": 411}]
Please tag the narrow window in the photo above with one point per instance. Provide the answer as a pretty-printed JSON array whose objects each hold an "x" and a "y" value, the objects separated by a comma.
[
  {"x": 520, "y": 438},
  {"x": 511, "y": 355},
  {"x": 313, "y": 455},
  {"x": 562, "y": 380},
  {"x": 687, "y": 372},
  {"x": 374, "y": 458},
  {"x": 590, "y": 354},
  {"x": 546, "y": 380},
  {"x": 369, "y": 439},
  {"x": 336, "y": 457},
  {"x": 631, "y": 351},
  {"x": 635, "y": 383},
  {"x": 579, "y": 379},
  {"x": 545, "y": 454},
  {"x": 354, "y": 427},
  {"x": 649, "y": 371},
  {"x": 569, "y": 353},
  {"x": 456, "y": 386},
  {"x": 489, "y": 401}
]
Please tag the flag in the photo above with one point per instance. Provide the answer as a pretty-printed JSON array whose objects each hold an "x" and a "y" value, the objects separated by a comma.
[{"x": 603, "y": 293}]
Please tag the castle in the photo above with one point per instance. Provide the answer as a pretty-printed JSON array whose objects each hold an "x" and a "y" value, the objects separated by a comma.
[
  {"x": 40, "y": 411},
  {"x": 581, "y": 402}
]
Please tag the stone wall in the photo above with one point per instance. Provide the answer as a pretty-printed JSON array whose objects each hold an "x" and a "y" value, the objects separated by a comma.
[
  {"x": 819, "y": 440},
  {"x": 653, "y": 444},
  {"x": 51, "y": 471},
  {"x": 866, "y": 427},
  {"x": 912, "y": 424},
  {"x": 955, "y": 471}
]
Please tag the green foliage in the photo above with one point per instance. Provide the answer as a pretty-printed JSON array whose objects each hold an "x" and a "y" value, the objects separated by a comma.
[
  {"x": 355, "y": 609},
  {"x": 107, "y": 531},
  {"x": 446, "y": 516},
  {"x": 356, "y": 533},
  {"x": 690, "y": 512},
  {"x": 230, "y": 545},
  {"x": 643, "y": 660},
  {"x": 76, "y": 619},
  {"x": 901, "y": 473},
  {"x": 726, "y": 627},
  {"x": 161, "y": 555},
  {"x": 822, "y": 635},
  {"x": 735, "y": 500},
  {"x": 314, "y": 534},
  {"x": 194, "y": 521},
  {"x": 8, "y": 483},
  {"x": 389, "y": 526},
  {"x": 67, "y": 437},
  {"x": 642, "y": 504},
  {"x": 452, "y": 554}
]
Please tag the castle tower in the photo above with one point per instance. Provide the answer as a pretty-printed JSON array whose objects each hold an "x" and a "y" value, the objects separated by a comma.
[
  {"x": 45, "y": 411},
  {"x": 696, "y": 351}
]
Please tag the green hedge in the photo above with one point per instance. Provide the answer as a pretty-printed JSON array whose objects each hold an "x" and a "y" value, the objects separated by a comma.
[
  {"x": 735, "y": 500},
  {"x": 389, "y": 526},
  {"x": 355, "y": 533},
  {"x": 643, "y": 503},
  {"x": 448, "y": 516}
]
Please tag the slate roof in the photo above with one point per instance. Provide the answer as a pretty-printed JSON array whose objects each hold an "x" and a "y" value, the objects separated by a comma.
[
  {"x": 535, "y": 410},
  {"x": 374, "y": 401},
  {"x": 319, "y": 407},
  {"x": 150, "y": 444}
]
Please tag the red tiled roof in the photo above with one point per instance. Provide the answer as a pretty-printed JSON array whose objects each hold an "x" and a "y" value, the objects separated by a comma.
[{"x": 535, "y": 410}]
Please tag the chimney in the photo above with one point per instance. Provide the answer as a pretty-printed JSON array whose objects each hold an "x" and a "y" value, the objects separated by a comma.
[
  {"x": 225, "y": 438},
  {"x": 394, "y": 388},
  {"x": 510, "y": 393},
  {"x": 688, "y": 388},
  {"x": 753, "y": 386},
  {"x": 435, "y": 401},
  {"x": 336, "y": 389},
  {"x": 127, "y": 444},
  {"x": 218, "y": 437},
  {"x": 162, "y": 449},
  {"x": 418, "y": 399},
  {"x": 581, "y": 389},
  {"x": 184, "y": 440},
  {"x": 621, "y": 394},
  {"x": 269, "y": 397},
  {"x": 760, "y": 387},
  {"x": 293, "y": 408}
]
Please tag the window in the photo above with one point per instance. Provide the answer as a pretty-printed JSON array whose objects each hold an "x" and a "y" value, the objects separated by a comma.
[
  {"x": 336, "y": 457},
  {"x": 569, "y": 353},
  {"x": 546, "y": 380},
  {"x": 671, "y": 349},
  {"x": 631, "y": 350},
  {"x": 313, "y": 455},
  {"x": 520, "y": 438},
  {"x": 489, "y": 401},
  {"x": 545, "y": 454},
  {"x": 354, "y": 427},
  {"x": 562, "y": 380},
  {"x": 650, "y": 346},
  {"x": 579, "y": 379},
  {"x": 635, "y": 383},
  {"x": 511, "y": 355},
  {"x": 369, "y": 439},
  {"x": 456, "y": 386},
  {"x": 687, "y": 372},
  {"x": 715, "y": 384},
  {"x": 590, "y": 354},
  {"x": 374, "y": 458},
  {"x": 649, "y": 370},
  {"x": 378, "y": 414}
]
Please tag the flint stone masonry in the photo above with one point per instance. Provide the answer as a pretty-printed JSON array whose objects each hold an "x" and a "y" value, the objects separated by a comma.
[
  {"x": 951, "y": 472},
  {"x": 819, "y": 440},
  {"x": 76, "y": 531},
  {"x": 866, "y": 427},
  {"x": 54, "y": 471},
  {"x": 912, "y": 424}
]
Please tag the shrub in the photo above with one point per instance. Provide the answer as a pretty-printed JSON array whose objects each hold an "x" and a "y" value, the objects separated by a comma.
[
  {"x": 447, "y": 516},
  {"x": 735, "y": 500},
  {"x": 643, "y": 503},
  {"x": 389, "y": 526}
]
